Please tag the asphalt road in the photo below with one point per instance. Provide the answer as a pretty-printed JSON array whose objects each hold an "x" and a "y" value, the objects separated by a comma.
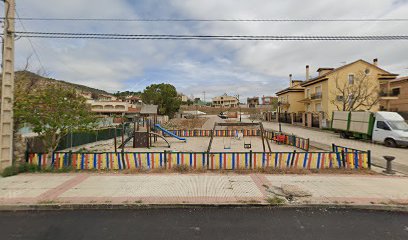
[
  {"x": 324, "y": 139},
  {"x": 205, "y": 223}
]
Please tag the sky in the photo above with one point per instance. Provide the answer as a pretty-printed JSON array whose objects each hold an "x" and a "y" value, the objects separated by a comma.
[{"x": 245, "y": 68}]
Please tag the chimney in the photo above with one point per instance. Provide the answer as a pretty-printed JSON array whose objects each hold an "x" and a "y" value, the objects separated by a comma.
[
  {"x": 290, "y": 80},
  {"x": 307, "y": 72},
  {"x": 375, "y": 61}
]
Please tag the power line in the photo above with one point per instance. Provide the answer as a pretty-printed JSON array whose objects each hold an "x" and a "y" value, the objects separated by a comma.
[
  {"x": 213, "y": 20},
  {"x": 116, "y": 36},
  {"x": 37, "y": 56}
]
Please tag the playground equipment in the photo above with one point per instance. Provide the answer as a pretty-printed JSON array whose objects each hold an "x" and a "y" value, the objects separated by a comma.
[
  {"x": 240, "y": 124},
  {"x": 169, "y": 133}
]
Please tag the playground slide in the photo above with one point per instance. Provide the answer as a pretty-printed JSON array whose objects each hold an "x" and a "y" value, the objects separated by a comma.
[{"x": 169, "y": 133}]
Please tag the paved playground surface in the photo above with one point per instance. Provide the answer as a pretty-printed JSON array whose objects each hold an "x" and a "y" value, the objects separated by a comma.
[
  {"x": 193, "y": 144},
  {"x": 207, "y": 188}
]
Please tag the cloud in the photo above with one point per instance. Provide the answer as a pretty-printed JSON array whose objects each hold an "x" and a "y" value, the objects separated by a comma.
[{"x": 247, "y": 68}]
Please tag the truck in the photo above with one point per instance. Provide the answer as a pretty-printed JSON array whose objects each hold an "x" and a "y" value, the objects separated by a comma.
[{"x": 388, "y": 128}]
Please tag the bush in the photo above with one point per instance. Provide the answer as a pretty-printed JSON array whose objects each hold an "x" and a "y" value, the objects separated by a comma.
[
  {"x": 21, "y": 168},
  {"x": 27, "y": 167},
  {"x": 10, "y": 171}
]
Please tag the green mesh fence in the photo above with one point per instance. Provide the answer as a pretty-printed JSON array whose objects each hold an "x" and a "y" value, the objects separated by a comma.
[{"x": 80, "y": 138}]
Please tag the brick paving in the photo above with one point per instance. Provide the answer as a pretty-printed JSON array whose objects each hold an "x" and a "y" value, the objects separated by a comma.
[{"x": 206, "y": 188}]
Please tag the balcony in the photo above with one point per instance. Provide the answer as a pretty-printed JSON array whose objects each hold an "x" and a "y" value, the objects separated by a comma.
[
  {"x": 389, "y": 95},
  {"x": 316, "y": 96}
]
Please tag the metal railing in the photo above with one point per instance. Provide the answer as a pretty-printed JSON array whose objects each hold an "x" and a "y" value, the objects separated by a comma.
[{"x": 314, "y": 96}]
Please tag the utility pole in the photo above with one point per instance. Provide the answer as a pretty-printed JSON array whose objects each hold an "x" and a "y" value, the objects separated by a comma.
[
  {"x": 204, "y": 98},
  {"x": 7, "y": 87}
]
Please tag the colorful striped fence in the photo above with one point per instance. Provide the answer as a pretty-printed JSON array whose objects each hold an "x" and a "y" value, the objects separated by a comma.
[
  {"x": 217, "y": 133},
  {"x": 352, "y": 157},
  {"x": 291, "y": 140},
  {"x": 39, "y": 159},
  {"x": 202, "y": 160}
]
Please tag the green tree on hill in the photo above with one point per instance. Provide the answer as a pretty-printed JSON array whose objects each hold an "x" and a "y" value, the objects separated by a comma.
[{"x": 165, "y": 96}]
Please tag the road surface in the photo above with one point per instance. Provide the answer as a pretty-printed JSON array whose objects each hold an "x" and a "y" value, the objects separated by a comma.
[
  {"x": 205, "y": 223},
  {"x": 326, "y": 138}
]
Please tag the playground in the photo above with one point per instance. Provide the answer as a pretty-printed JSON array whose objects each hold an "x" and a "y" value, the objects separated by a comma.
[
  {"x": 150, "y": 136},
  {"x": 228, "y": 145}
]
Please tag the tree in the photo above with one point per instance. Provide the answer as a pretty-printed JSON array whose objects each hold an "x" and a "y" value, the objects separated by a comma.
[
  {"x": 52, "y": 112},
  {"x": 165, "y": 96},
  {"x": 357, "y": 93}
]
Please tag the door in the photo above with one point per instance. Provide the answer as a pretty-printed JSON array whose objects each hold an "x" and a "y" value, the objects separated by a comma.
[{"x": 381, "y": 131}]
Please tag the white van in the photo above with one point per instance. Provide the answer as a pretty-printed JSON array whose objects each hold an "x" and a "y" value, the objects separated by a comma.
[{"x": 391, "y": 129}]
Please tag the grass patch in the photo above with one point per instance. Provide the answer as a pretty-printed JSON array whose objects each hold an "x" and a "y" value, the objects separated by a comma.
[{"x": 275, "y": 200}]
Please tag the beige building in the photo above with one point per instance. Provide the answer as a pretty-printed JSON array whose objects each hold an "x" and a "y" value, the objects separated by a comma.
[
  {"x": 225, "y": 101},
  {"x": 268, "y": 100},
  {"x": 289, "y": 98},
  {"x": 395, "y": 96},
  {"x": 342, "y": 88},
  {"x": 253, "y": 102}
]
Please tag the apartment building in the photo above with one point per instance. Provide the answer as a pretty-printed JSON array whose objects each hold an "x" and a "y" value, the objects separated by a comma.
[
  {"x": 225, "y": 101},
  {"x": 394, "y": 96},
  {"x": 289, "y": 98},
  {"x": 354, "y": 86},
  {"x": 268, "y": 100},
  {"x": 253, "y": 102}
]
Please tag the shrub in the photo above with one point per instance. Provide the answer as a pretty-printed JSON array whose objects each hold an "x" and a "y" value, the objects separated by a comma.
[{"x": 10, "y": 171}]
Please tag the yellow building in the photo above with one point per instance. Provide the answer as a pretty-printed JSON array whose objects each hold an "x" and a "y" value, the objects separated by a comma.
[
  {"x": 289, "y": 98},
  {"x": 351, "y": 87}
]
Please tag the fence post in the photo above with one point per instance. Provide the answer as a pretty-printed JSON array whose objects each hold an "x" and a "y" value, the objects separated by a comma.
[
  {"x": 369, "y": 158},
  {"x": 250, "y": 159},
  {"x": 293, "y": 158},
  {"x": 165, "y": 159},
  {"x": 70, "y": 158},
  {"x": 343, "y": 158},
  {"x": 333, "y": 147},
  {"x": 208, "y": 160}
]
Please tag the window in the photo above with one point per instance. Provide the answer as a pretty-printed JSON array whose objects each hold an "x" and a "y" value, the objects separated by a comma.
[
  {"x": 308, "y": 93},
  {"x": 367, "y": 71},
  {"x": 395, "y": 91},
  {"x": 339, "y": 98},
  {"x": 399, "y": 125},
  {"x": 351, "y": 78},
  {"x": 383, "y": 125},
  {"x": 318, "y": 107}
]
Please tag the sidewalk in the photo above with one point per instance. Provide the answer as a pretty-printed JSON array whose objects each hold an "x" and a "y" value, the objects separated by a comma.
[{"x": 206, "y": 189}]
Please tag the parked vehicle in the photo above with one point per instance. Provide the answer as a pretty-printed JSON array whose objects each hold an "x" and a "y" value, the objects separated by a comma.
[
  {"x": 222, "y": 115},
  {"x": 388, "y": 128}
]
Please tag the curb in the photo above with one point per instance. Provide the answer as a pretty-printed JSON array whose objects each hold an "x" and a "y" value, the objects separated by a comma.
[{"x": 73, "y": 207}]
